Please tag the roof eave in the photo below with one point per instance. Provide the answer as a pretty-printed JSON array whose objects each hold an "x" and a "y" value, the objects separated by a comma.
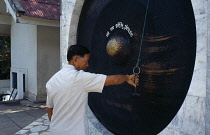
[
  {"x": 17, "y": 6},
  {"x": 38, "y": 21},
  {"x": 15, "y": 9},
  {"x": 17, "y": 12}
]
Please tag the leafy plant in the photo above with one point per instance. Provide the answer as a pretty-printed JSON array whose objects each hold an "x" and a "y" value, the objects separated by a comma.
[{"x": 5, "y": 57}]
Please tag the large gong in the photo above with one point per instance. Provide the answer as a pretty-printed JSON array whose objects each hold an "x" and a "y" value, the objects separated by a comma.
[{"x": 113, "y": 30}]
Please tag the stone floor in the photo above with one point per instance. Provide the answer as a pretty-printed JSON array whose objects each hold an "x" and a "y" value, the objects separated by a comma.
[
  {"x": 17, "y": 115},
  {"x": 38, "y": 127}
]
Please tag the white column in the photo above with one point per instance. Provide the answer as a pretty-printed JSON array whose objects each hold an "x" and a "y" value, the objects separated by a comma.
[
  {"x": 208, "y": 76},
  {"x": 70, "y": 13},
  {"x": 66, "y": 13},
  {"x": 24, "y": 54}
]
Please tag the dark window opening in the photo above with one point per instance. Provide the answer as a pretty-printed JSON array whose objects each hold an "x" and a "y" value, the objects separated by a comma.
[
  {"x": 24, "y": 84},
  {"x": 5, "y": 57},
  {"x": 14, "y": 80}
]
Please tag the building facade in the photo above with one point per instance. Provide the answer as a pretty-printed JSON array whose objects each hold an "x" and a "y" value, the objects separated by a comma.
[{"x": 35, "y": 44}]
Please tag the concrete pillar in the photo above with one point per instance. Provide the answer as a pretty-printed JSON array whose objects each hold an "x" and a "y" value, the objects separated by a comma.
[
  {"x": 66, "y": 13},
  {"x": 70, "y": 13},
  {"x": 208, "y": 75},
  {"x": 24, "y": 56}
]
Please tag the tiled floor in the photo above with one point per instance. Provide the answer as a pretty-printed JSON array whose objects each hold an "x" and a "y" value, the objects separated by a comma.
[
  {"x": 16, "y": 115},
  {"x": 38, "y": 127}
]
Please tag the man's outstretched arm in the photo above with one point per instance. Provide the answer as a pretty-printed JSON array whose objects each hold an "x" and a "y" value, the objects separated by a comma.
[{"x": 119, "y": 79}]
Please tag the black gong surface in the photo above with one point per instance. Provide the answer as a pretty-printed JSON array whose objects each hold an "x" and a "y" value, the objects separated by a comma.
[{"x": 112, "y": 30}]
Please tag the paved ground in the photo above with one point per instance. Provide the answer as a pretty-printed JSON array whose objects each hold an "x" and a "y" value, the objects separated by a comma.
[
  {"x": 38, "y": 127},
  {"x": 15, "y": 116}
]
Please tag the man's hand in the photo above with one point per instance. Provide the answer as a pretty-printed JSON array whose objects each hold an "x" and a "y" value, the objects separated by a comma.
[
  {"x": 49, "y": 112},
  {"x": 131, "y": 80}
]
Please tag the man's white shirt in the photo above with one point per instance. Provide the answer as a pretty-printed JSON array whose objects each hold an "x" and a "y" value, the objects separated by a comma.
[{"x": 67, "y": 94}]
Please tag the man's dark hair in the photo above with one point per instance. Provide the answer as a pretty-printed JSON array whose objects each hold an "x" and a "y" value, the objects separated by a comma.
[{"x": 78, "y": 50}]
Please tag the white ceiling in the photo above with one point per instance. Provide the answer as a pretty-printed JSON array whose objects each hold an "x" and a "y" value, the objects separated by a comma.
[
  {"x": 2, "y": 7},
  {"x": 5, "y": 29}
]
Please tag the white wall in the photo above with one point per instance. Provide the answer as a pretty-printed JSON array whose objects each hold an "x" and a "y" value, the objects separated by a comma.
[
  {"x": 24, "y": 54},
  {"x": 48, "y": 57},
  {"x": 4, "y": 86},
  {"x": 5, "y": 83},
  {"x": 4, "y": 29}
]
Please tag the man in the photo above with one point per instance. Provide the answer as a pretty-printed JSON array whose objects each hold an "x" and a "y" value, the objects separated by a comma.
[{"x": 67, "y": 93}]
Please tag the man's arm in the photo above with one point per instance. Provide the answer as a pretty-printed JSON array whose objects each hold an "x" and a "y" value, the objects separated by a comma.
[
  {"x": 119, "y": 79},
  {"x": 49, "y": 112}
]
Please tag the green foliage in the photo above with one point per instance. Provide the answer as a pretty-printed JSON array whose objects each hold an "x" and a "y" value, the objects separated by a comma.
[{"x": 5, "y": 57}]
